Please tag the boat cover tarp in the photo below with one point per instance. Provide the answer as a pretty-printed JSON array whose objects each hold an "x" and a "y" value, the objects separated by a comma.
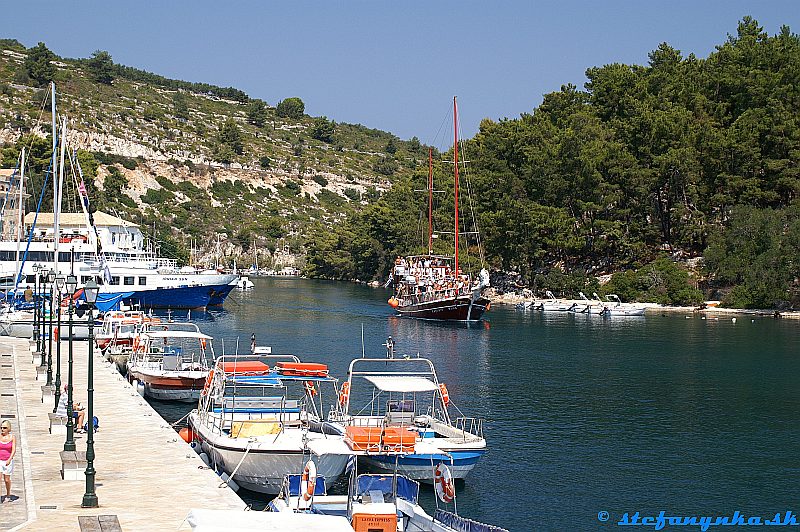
[
  {"x": 406, "y": 489},
  {"x": 108, "y": 301},
  {"x": 294, "y": 485},
  {"x": 402, "y": 383},
  {"x": 218, "y": 520},
  {"x": 461, "y": 524}
]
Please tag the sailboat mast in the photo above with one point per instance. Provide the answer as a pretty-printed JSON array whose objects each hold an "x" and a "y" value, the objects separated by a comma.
[
  {"x": 20, "y": 209},
  {"x": 430, "y": 201},
  {"x": 455, "y": 176},
  {"x": 58, "y": 185},
  {"x": 54, "y": 168}
]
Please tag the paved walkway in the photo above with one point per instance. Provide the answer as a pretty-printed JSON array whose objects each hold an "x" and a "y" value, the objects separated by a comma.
[{"x": 146, "y": 475}]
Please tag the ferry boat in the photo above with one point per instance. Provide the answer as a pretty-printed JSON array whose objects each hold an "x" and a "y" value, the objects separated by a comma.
[
  {"x": 397, "y": 405},
  {"x": 257, "y": 422},
  {"x": 171, "y": 361},
  {"x": 434, "y": 286}
]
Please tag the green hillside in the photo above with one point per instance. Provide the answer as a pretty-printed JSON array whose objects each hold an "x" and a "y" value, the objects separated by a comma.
[{"x": 193, "y": 160}]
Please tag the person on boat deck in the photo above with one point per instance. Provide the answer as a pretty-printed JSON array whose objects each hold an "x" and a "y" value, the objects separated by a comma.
[
  {"x": 77, "y": 410},
  {"x": 8, "y": 448}
]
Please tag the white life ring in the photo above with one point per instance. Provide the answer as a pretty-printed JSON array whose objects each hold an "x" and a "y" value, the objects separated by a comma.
[
  {"x": 308, "y": 481},
  {"x": 443, "y": 483}
]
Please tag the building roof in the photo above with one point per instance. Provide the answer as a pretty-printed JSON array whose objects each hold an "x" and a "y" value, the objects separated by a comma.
[{"x": 78, "y": 219}]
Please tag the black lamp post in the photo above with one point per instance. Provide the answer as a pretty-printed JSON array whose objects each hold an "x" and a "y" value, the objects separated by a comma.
[
  {"x": 42, "y": 278},
  {"x": 69, "y": 444},
  {"x": 36, "y": 309},
  {"x": 51, "y": 277},
  {"x": 90, "y": 497},
  {"x": 60, "y": 283}
]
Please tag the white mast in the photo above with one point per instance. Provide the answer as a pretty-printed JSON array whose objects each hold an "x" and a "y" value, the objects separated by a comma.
[
  {"x": 19, "y": 230},
  {"x": 54, "y": 173},
  {"x": 58, "y": 195}
]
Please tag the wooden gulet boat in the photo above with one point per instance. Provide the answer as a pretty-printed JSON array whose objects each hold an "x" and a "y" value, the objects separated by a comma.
[{"x": 434, "y": 286}]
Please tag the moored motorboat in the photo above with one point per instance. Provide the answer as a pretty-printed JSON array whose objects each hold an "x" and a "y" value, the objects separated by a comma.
[
  {"x": 376, "y": 503},
  {"x": 390, "y": 405},
  {"x": 256, "y": 422},
  {"x": 171, "y": 362}
]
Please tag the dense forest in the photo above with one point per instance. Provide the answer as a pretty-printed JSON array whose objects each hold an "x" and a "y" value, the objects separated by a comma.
[{"x": 644, "y": 171}]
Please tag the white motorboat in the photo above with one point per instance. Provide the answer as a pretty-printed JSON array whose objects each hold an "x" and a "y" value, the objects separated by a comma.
[
  {"x": 171, "y": 361},
  {"x": 397, "y": 405},
  {"x": 257, "y": 423},
  {"x": 376, "y": 503}
]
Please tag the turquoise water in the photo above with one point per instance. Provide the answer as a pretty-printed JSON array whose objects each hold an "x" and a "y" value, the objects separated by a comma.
[{"x": 583, "y": 414}]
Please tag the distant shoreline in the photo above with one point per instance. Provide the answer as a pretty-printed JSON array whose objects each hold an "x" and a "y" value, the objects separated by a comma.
[{"x": 652, "y": 308}]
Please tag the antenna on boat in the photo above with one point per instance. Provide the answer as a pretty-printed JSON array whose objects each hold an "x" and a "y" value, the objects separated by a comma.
[{"x": 362, "y": 341}]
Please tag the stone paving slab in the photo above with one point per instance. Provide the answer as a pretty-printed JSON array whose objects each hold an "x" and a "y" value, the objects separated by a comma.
[{"x": 146, "y": 475}]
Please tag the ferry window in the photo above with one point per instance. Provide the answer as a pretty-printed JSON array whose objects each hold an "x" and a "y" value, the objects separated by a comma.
[
  {"x": 114, "y": 280},
  {"x": 85, "y": 278},
  {"x": 142, "y": 281},
  {"x": 128, "y": 280}
]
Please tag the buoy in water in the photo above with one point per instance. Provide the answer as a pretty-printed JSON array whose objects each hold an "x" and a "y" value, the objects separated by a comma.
[{"x": 186, "y": 434}]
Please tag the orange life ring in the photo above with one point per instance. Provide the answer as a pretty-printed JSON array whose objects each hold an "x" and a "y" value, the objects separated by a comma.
[
  {"x": 310, "y": 388},
  {"x": 344, "y": 393},
  {"x": 203, "y": 343},
  {"x": 308, "y": 481},
  {"x": 136, "y": 342},
  {"x": 207, "y": 385},
  {"x": 443, "y": 483},
  {"x": 445, "y": 394}
]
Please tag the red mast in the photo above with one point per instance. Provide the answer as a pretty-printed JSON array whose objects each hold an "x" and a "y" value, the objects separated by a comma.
[
  {"x": 455, "y": 165},
  {"x": 430, "y": 201}
]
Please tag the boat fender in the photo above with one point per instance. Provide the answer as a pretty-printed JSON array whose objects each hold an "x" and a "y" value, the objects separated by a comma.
[
  {"x": 445, "y": 394},
  {"x": 195, "y": 446},
  {"x": 204, "y": 458},
  {"x": 139, "y": 387},
  {"x": 186, "y": 434},
  {"x": 393, "y": 302},
  {"x": 309, "y": 480},
  {"x": 344, "y": 393},
  {"x": 229, "y": 482}
]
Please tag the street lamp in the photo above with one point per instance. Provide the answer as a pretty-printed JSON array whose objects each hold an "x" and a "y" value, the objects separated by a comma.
[
  {"x": 90, "y": 291},
  {"x": 36, "y": 309},
  {"x": 69, "y": 444},
  {"x": 42, "y": 277},
  {"x": 60, "y": 283},
  {"x": 51, "y": 277}
]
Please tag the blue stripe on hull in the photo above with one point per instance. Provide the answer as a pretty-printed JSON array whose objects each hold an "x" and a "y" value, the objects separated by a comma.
[
  {"x": 459, "y": 459},
  {"x": 185, "y": 297}
]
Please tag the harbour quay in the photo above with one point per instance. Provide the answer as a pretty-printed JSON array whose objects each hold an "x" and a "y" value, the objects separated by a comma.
[{"x": 147, "y": 477}]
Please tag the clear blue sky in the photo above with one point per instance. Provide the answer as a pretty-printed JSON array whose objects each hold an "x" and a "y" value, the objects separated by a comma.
[{"x": 392, "y": 65}]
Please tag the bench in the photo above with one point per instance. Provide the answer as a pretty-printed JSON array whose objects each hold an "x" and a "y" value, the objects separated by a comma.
[
  {"x": 41, "y": 372},
  {"x": 73, "y": 465},
  {"x": 58, "y": 424},
  {"x": 48, "y": 393},
  {"x": 38, "y": 357},
  {"x": 99, "y": 523}
]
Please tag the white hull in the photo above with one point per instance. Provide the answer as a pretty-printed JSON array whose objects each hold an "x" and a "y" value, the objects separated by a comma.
[
  {"x": 418, "y": 473},
  {"x": 270, "y": 457}
]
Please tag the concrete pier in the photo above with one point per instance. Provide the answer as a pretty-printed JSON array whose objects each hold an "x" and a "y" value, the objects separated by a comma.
[{"x": 146, "y": 475}]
